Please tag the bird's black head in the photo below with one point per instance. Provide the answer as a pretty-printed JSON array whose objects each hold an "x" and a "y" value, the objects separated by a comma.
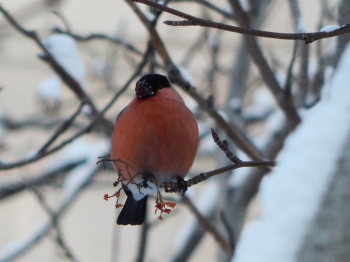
[{"x": 148, "y": 85}]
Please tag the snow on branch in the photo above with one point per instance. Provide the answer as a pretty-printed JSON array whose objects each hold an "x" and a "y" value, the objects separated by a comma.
[{"x": 292, "y": 193}]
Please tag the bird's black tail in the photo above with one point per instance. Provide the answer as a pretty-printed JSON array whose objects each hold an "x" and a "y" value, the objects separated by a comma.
[{"x": 133, "y": 212}]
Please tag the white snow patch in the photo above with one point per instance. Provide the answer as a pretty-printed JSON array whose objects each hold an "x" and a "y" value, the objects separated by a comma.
[
  {"x": 50, "y": 88},
  {"x": 329, "y": 28},
  {"x": 64, "y": 49},
  {"x": 235, "y": 103}
]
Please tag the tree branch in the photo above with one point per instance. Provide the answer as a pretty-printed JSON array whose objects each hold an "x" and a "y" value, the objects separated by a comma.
[
  {"x": 66, "y": 77},
  {"x": 306, "y": 37},
  {"x": 209, "y": 227}
]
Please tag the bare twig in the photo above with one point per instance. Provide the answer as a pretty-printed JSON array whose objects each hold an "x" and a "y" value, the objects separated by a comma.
[
  {"x": 137, "y": 71},
  {"x": 172, "y": 187},
  {"x": 194, "y": 48},
  {"x": 288, "y": 82},
  {"x": 127, "y": 46},
  {"x": 303, "y": 78},
  {"x": 145, "y": 227},
  {"x": 209, "y": 5},
  {"x": 60, "y": 130},
  {"x": 58, "y": 238},
  {"x": 223, "y": 145},
  {"x": 307, "y": 37},
  {"x": 208, "y": 226},
  {"x": 194, "y": 239},
  {"x": 63, "y": 19}
]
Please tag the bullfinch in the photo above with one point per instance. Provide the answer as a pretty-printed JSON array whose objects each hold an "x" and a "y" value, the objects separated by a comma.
[{"x": 154, "y": 133}]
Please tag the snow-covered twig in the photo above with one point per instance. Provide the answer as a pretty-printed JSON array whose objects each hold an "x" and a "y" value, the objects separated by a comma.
[{"x": 64, "y": 75}]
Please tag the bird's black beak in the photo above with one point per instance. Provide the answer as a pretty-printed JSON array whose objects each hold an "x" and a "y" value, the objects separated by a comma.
[{"x": 143, "y": 90}]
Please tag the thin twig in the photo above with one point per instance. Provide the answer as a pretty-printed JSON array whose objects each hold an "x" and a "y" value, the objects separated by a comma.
[
  {"x": 63, "y": 19},
  {"x": 58, "y": 238},
  {"x": 302, "y": 82},
  {"x": 145, "y": 227},
  {"x": 307, "y": 37},
  {"x": 93, "y": 36},
  {"x": 209, "y": 5},
  {"x": 188, "y": 247},
  {"x": 172, "y": 187},
  {"x": 208, "y": 226},
  {"x": 60, "y": 130},
  {"x": 288, "y": 82},
  {"x": 223, "y": 145}
]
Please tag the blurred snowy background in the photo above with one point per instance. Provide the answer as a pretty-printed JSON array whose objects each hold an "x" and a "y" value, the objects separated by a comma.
[{"x": 68, "y": 185}]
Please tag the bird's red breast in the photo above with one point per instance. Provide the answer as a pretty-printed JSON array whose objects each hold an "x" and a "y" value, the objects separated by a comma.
[{"x": 158, "y": 134}]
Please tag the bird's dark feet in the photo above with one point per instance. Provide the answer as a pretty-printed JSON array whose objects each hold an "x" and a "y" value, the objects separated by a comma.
[
  {"x": 182, "y": 184},
  {"x": 147, "y": 177}
]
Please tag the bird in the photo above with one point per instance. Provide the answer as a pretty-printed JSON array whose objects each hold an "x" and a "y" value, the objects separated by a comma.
[{"x": 155, "y": 133}]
